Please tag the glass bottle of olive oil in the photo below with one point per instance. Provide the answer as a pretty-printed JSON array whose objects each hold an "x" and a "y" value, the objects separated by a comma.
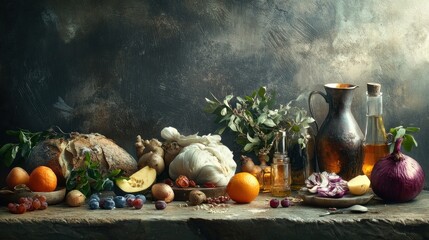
[
  {"x": 375, "y": 142},
  {"x": 280, "y": 168}
]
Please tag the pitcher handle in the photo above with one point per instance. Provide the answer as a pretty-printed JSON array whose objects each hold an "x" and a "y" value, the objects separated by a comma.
[{"x": 311, "y": 110}]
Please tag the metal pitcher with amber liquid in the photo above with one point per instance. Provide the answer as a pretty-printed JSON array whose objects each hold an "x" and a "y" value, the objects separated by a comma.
[{"x": 339, "y": 139}]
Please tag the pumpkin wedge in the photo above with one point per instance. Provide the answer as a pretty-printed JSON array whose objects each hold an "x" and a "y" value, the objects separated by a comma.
[{"x": 138, "y": 182}]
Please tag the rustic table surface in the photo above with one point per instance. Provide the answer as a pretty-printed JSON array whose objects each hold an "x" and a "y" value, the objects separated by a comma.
[{"x": 233, "y": 221}]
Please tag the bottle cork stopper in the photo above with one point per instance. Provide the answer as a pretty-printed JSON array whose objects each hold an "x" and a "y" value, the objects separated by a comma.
[{"x": 374, "y": 89}]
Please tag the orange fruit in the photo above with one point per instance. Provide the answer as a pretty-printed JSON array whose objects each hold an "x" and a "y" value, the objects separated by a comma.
[
  {"x": 243, "y": 187},
  {"x": 17, "y": 176},
  {"x": 42, "y": 179}
]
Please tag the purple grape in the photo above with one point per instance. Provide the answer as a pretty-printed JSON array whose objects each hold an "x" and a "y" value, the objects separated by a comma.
[
  {"x": 160, "y": 205},
  {"x": 285, "y": 202},
  {"x": 142, "y": 197},
  {"x": 130, "y": 200},
  {"x": 138, "y": 203},
  {"x": 274, "y": 203}
]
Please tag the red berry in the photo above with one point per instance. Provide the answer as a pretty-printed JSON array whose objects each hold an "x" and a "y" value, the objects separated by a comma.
[
  {"x": 274, "y": 203},
  {"x": 192, "y": 183},
  {"x": 36, "y": 204},
  {"x": 43, "y": 205},
  {"x": 209, "y": 185},
  {"x": 21, "y": 208},
  {"x": 169, "y": 182},
  {"x": 138, "y": 203},
  {"x": 41, "y": 198},
  {"x": 12, "y": 207}
]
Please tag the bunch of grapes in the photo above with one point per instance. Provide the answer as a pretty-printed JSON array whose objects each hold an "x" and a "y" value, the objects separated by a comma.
[
  {"x": 218, "y": 200},
  {"x": 27, "y": 204}
]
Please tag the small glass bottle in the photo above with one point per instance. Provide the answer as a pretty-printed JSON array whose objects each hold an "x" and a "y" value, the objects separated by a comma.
[
  {"x": 375, "y": 143},
  {"x": 265, "y": 175},
  {"x": 281, "y": 177},
  {"x": 302, "y": 160}
]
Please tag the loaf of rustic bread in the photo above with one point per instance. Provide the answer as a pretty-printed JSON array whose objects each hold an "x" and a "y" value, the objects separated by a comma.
[{"x": 63, "y": 155}]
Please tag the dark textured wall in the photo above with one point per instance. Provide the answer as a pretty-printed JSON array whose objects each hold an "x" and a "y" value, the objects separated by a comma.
[{"x": 133, "y": 67}]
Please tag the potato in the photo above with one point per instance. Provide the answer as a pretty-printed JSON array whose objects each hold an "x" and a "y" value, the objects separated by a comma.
[
  {"x": 197, "y": 197},
  {"x": 75, "y": 198},
  {"x": 152, "y": 160},
  {"x": 162, "y": 191}
]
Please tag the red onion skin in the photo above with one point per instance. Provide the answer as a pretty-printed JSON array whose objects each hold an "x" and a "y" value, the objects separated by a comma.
[{"x": 397, "y": 177}]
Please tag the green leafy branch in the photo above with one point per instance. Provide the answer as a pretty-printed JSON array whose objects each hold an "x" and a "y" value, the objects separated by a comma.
[
  {"x": 26, "y": 140},
  {"x": 255, "y": 120},
  {"x": 405, "y": 133},
  {"x": 89, "y": 179}
]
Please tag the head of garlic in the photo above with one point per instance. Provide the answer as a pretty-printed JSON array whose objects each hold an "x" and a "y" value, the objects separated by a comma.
[{"x": 203, "y": 158}]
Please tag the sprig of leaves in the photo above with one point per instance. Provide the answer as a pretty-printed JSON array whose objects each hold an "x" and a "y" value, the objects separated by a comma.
[
  {"x": 26, "y": 140},
  {"x": 89, "y": 179},
  {"x": 255, "y": 119},
  {"x": 405, "y": 133}
]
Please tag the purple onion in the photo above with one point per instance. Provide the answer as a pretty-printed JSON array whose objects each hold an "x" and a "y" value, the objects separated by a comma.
[
  {"x": 326, "y": 185},
  {"x": 397, "y": 177}
]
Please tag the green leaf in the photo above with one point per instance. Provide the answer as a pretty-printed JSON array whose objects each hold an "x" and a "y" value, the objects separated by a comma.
[
  {"x": 5, "y": 148},
  {"x": 231, "y": 124},
  {"x": 94, "y": 173},
  {"x": 262, "y": 118},
  {"x": 254, "y": 140},
  {"x": 22, "y": 137},
  {"x": 241, "y": 100},
  {"x": 227, "y": 99},
  {"x": 248, "y": 147},
  {"x": 269, "y": 123},
  {"x": 412, "y": 129},
  {"x": 210, "y": 101},
  {"x": 220, "y": 130},
  {"x": 114, "y": 173},
  {"x": 70, "y": 184},
  {"x": 14, "y": 151},
  {"x": 85, "y": 189},
  {"x": 408, "y": 142},
  {"x": 400, "y": 133},
  {"x": 10, "y": 155},
  {"x": 262, "y": 91},
  {"x": 223, "y": 112},
  {"x": 25, "y": 150}
]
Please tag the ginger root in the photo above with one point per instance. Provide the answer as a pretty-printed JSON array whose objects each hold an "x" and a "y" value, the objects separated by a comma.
[{"x": 150, "y": 153}]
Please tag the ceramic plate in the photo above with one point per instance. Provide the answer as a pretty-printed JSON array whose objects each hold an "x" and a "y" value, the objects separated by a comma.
[
  {"x": 55, "y": 197},
  {"x": 346, "y": 201}
]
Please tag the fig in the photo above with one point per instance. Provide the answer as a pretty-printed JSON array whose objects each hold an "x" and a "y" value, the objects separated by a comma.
[{"x": 197, "y": 197}]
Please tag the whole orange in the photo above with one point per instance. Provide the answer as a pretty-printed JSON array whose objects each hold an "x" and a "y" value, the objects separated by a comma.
[
  {"x": 243, "y": 187},
  {"x": 17, "y": 176},
  {"x": 42, "y": 179}
]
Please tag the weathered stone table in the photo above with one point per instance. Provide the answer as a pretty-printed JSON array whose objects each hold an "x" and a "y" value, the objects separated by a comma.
[{"x": 249, "y": 221}]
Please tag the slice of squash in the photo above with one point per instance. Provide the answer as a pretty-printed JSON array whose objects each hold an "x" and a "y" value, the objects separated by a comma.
[{"x": 138, "y": 182}]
